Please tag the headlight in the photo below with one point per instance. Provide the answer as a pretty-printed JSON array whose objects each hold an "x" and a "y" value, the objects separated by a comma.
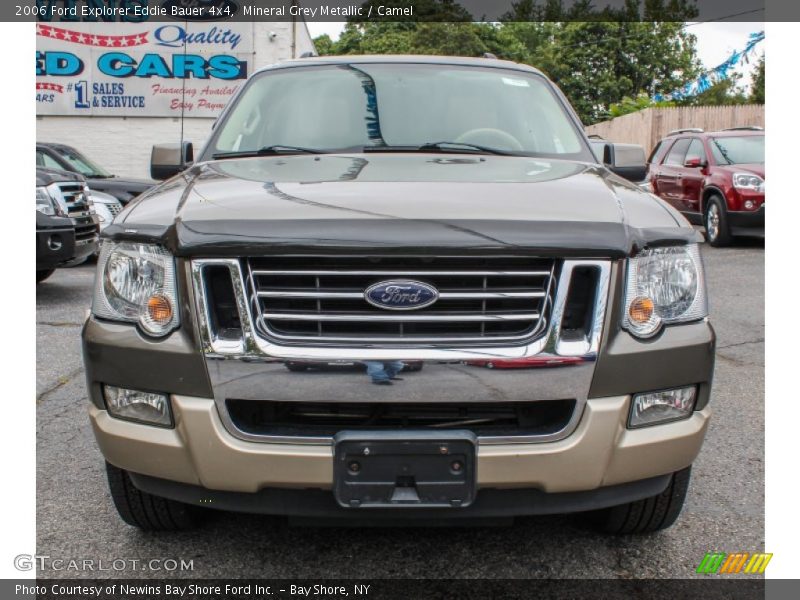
[
  {"x": 47, "y": 203},
  {"x": 748, "y": 181},
  {"x": 44, "y": 203},
  {"x": 664, "y": 285},
  {"x": 136, "y": 283}
]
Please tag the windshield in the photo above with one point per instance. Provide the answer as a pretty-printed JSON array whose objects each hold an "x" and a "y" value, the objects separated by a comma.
[
  {"x": 80, "y": 163},
  {"x": 738, "y": 150},
  {"x": 385, "y": 106}
]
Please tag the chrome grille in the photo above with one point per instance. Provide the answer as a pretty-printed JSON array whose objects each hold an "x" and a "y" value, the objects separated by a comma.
[
  {"x": 481, "y": 299},
  {"x": 79, "y": 211}
]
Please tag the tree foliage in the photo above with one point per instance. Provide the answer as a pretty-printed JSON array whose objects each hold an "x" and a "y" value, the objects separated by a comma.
[
  {"x": 723, "y": 93},
  {"x": 757, "y": 91},
  {"x": 629, "y": 105}
]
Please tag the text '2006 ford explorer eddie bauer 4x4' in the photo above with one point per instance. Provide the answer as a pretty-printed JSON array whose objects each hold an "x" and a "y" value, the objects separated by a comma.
[{"x": 402, "y": 288}]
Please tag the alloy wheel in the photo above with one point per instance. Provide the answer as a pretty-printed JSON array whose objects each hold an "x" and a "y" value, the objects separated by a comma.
[{"x": 712, "y": 221}]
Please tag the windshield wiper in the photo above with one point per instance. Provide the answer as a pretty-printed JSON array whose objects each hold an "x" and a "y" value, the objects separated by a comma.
[
  {"x": 439, "y": 146},
  {"x": 462, "y": 145},
  {"x": 273, "y": 149}
]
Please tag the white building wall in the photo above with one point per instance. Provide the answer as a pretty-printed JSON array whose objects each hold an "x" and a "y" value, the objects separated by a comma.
[{"x": 122, "y": 145}]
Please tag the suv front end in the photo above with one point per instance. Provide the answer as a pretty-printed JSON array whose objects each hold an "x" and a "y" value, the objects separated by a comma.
[
  {"x": 405, "y": 331},
  {"x": 209, "y": 415}
]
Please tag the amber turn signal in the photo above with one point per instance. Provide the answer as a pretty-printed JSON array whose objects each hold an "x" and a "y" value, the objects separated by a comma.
[
  {"x": 159, "y": 309},
  {"x": 641, "y": 310}
]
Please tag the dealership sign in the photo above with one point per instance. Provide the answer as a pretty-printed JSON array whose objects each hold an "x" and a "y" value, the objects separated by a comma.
[{"x": 139, "y": 69}]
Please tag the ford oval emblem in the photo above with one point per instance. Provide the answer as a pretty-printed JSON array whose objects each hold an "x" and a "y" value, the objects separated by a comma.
[{"x": 401, "y": 294}]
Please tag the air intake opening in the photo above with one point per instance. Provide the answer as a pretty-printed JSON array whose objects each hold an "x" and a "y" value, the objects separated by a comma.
[
  {"x": 323, "y": 419},
  {"x": 221, "y": 299},
  {"x": 577, "y": 321}
]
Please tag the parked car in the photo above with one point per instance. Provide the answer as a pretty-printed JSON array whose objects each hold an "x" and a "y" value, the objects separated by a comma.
[
  {"x": 432, "y": 209},
  {"x": 715, "y": 179},
  {"x": 66, "y": 228},
  {"x": 67, "y": 158},
  {"x": 106, "y": 207}
]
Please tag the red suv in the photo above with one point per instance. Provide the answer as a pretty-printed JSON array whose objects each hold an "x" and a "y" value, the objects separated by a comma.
[{"x": 714, "y": 178}]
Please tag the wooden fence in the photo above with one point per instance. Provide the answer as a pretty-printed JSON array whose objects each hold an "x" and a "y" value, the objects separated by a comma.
[{"x": 646, "y": 127}]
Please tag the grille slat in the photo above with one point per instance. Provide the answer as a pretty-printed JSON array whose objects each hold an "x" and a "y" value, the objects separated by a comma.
[
  {"x": 405, "y": 273},
  {"x": 79, "y": 211},
  {"x": 400, "y": 318},
  {"x": 360, "y": 295},
  {"x": 322, "y": 299}
]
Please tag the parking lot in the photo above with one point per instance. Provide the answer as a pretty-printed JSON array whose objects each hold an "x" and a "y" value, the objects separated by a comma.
[{"x": 724, "y": 509}]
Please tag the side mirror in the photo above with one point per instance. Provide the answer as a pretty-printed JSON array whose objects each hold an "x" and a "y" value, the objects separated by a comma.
[
  {"x": 626, "y": 160},
  {"x": 167, "y": 160},
  {"x": 694, "y": 163}
]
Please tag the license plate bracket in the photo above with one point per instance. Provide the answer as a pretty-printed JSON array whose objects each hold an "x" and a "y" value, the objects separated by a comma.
[{"x": 404, "y": 469}]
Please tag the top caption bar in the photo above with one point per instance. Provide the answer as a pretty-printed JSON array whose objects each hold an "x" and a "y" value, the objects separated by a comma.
[{"x": 138, "y": 11}]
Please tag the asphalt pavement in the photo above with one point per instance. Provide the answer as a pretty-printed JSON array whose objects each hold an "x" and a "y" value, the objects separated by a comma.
[{"x": 724, "y": 510}]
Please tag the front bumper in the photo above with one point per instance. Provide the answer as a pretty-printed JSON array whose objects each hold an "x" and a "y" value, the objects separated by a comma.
[
  {"x": 199, "y": 451},
  {"x": 320, "y": 504},
  {"x": 54, "y": 247},
  {"x": 747, "y": 223}
]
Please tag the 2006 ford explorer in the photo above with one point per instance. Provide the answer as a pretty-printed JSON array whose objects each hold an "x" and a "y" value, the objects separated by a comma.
[{"x": 398, "y": 288}]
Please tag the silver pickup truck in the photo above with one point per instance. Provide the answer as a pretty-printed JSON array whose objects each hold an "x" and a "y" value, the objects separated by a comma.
[{"x": 398, "y": 288}]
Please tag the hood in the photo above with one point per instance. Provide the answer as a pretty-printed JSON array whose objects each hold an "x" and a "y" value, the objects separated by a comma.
[
  {"x": 102, "y": 197},
  {"x": 46, "y": 176},
  {"x": 400, "y": 202},
  {"x": 755, "y": 168},
  {"x": 121, "y": 184},
  {"x": 144, "y": 184}
]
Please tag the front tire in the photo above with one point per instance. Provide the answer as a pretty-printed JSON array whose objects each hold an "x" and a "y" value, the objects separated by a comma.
[
  {"x": 43, "y": 274},
  {"x": 718, "y": 232},
  {"x": 148, "y": 512},
  {"x": 648, "y": 515}
]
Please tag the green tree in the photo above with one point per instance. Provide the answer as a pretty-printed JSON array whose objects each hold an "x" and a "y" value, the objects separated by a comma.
[
  {"x": 448, "y": 39},
  {"x": 597, "y": 63},
  {"x": 628, "y": 105},
  {"x": 757, "y": 91},
  {"x": 723, "y": 93},
  {"x": 324, "y": 45}
]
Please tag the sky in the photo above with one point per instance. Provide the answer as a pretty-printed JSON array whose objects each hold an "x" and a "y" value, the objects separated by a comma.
[{"x": 715, "y": 41}]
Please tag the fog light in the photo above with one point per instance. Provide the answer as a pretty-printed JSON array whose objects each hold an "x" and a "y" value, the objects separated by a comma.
[
  {"x": 133, "y": 405},
  {"x": 749, "y": 204},
  {"x": 660, "y": 407}
]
